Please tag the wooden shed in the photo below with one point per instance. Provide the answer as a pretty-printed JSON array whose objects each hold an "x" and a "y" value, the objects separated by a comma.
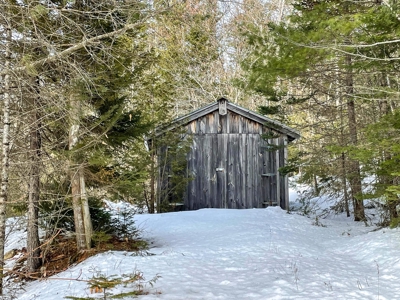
[{"x": 233, "y": 160}]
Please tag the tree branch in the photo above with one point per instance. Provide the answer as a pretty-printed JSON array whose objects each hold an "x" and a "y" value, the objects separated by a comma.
[{"x": 86, "y": 42}]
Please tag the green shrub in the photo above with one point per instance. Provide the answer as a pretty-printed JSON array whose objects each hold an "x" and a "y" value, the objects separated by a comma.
[{"x": 395, "y": 222}]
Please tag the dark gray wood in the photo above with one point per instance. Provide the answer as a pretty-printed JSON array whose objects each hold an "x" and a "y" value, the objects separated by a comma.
[
  {"x": 211, "y": 123},
  {"x": 232, "y": 166},
  {"x": 215, "y": 200},
  {"x": 200, "y": 174},
  {"x": 222, "y": 124},
  {"x": 255, "y": 169},
  {"x": 260, "y": 119},
  {"x": 285, "y": 184},
  {"x": 232, "y": 170},
  {"x": 232, "y": 108},
  {"x": 244, "y": 168},
  {"x": 222, "y": 107},
  {"x": 233, "y": 123},
  {"x": 222, "y": 165}
]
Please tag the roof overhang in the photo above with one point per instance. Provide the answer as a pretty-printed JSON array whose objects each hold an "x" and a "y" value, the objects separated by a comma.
[{"x": 256, "y": 117}]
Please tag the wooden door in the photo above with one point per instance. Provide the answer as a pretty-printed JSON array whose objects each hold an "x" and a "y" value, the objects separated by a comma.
[
  {"x": 244, "y": 183},
  {"x": 221, "y": 170},
  {"x": 230, "y": 170},
  {"x": 269, "y": 175}
]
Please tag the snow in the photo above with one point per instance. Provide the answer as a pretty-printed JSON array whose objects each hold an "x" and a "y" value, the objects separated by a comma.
[
  {"x": 245, "y": 254},
  {"x": 15, "y": 233}
]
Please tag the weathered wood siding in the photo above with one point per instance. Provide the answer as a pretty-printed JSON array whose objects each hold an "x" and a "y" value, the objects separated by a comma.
[{"x": 232, "y": 166}]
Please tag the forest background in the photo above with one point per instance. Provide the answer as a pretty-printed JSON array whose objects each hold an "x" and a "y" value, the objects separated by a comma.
[{"x": 85, "y": 82}]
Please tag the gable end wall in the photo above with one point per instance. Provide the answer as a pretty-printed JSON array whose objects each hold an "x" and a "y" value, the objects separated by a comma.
[{"x": 231, "y": 164}]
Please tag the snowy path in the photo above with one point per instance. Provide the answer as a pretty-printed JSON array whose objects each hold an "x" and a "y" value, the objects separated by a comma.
[
  {"x": 250, "y": 254},
  {"x": 266, "y": 254}
]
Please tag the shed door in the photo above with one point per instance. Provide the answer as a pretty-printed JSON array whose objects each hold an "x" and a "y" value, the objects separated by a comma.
[
  {"x": 230, "y": 170},
  {"x": 222, "y": 169},
  {"x": 239, "y": 166},
  {"x": 269, "y": 179}
]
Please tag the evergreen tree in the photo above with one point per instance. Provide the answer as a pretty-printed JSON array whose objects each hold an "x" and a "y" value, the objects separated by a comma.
[
  {"x": 315, "y": 59},
  {"x": 57, "y": 51}
]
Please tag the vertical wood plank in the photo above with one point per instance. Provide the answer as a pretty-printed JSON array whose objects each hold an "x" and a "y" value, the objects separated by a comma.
[
  {"x": 271, "y": 169},
  {"x": 192, "y": 127},
  {"x": 263, "y": 169},
  {"x": 245, "y": 128},
  {"x": 193, "y": 164},
  {"x": 213, "y": 172},
  {"x": 222, "y": 162},
  {"x": 200, "y": 174},
  {"x": 250, "y": 127},
  {"x": 210, "y": 124},
  {"x": 200, "y": 171},
  {"x": 186, "y": 195},
  {"x": 208, "y": 172},
  {"x": 233, "y": 123},
  {"x": 256, "y": 165},
  {"x": 254, "y": 168},
  {"x": 202, "y": 125},
  {"x": 249, "y": 169},
  {"x": 286, "y": 178},
  {"x": 231, "y": 173},
  {"x": 222, "y": 124},
  {"x": 265, "y": 181},
  {"x": 248, "y": 160},
  {"x": 216, "y": 122},
  {"x": 278, "y": 179},
  {"x": 228, "y": 117},
  {"x": 256, "y": 127},
  {"x": 188, "y": 175},
  {"x": 240, "y": 202},
  {"x": 283, "y": 179},
  {"x": 245, "y": 160}
]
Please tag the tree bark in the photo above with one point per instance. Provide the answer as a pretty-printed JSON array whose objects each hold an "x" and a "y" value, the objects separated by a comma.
[
  {"x": 152, "y": 179},
  {"x": 5, "y": 151},
  {"x": 392, "y": 199},
  {"x": 77, "y": 208},
  {"x": 34, "y": 261},
  {"x": 74, "y": 169},
  {"x": 87, "y": 222},
  {"x": 344, "y": 179},
  {"x": 355, "y": 174}
]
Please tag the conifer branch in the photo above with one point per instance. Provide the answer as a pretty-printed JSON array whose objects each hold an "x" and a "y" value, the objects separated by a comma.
[{"x": 84, "y": 43}]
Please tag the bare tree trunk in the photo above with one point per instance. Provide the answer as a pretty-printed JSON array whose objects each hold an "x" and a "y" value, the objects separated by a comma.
[
  {"x": 5, "y": 151},
  {"x": 344, "y": 179},
  {"x": 85, "y": 209},
  {"x": 33, "y": 261},
  {"x": 152, "y": 179},
  {"x": 355, "y": 174},
  {"x": 316, "y": 187},
  {"x": 77, "y": 208},
  {"x": 74, "y": 169},
  {"x": 392, "y": 200},
  {"x": 343, "y": 159}
]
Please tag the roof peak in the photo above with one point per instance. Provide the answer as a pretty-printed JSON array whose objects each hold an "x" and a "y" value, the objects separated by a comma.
[{"x": 223, "y": 109}]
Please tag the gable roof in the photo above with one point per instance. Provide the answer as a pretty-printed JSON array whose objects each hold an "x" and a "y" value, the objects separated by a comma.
[{"x": 277, "y": 126}]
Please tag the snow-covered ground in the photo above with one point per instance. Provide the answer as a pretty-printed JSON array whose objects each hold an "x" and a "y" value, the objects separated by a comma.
[{"x": 246, "y": 254}]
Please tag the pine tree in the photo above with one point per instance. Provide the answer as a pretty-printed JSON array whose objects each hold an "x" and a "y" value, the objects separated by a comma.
[
  {"x": 57, "y": 48},
  {"x": 314, "y": 58}
]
